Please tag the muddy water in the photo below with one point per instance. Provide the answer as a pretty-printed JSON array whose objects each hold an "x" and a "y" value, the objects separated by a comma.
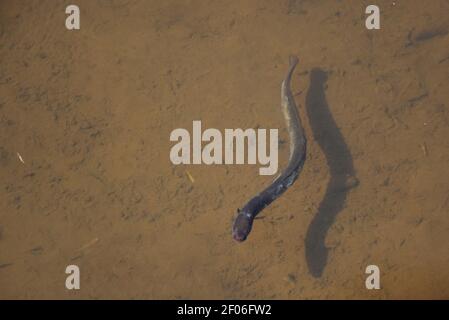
[{"x": 90, "y": 113}]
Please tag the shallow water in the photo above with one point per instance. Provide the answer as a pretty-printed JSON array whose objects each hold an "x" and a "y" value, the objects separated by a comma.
[{"x": 90, "y": 114}]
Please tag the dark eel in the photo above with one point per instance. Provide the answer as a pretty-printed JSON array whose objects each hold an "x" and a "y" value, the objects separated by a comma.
[{"x": 245, "y": 217}]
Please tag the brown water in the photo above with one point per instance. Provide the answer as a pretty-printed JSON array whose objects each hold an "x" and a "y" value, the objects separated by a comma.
[{"x": 90, "y": 113}]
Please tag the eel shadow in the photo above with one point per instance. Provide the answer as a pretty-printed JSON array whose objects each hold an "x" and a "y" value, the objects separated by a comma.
[{"x": 339, "y": 160}]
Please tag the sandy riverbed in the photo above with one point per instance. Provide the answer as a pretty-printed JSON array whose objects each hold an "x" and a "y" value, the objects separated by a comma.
[{"x": 90, "y": 113}]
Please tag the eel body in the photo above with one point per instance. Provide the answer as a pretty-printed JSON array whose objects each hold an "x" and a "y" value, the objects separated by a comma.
[{"x": 245, "y": 217}]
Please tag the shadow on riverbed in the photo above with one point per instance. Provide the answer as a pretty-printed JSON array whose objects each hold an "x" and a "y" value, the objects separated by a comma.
[{"x": 339, "y": 160}]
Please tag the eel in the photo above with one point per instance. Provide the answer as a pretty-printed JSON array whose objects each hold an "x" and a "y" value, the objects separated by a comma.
[{"x": 245, "y": 217}]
